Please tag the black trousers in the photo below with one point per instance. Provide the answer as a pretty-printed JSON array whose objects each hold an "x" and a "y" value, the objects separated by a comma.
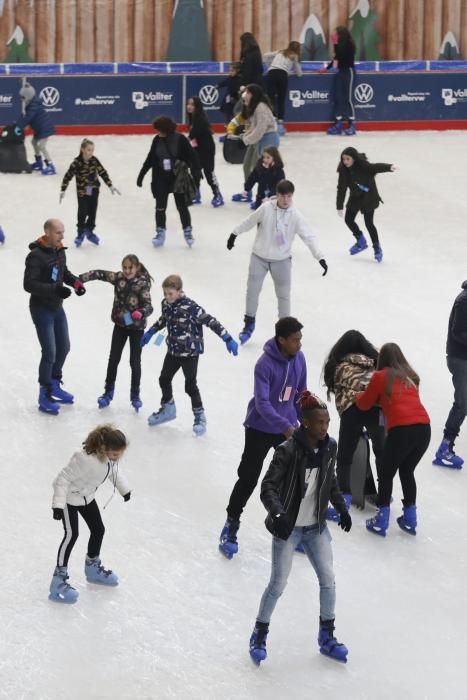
[
  {"x": 87, "y": 210},
  {"x": 92, "y": 517},
  {"x": 119, "y": 337},
  {"x": 353, "y": 421},
  {"x": 276, "y": 85},
  {"x": 404, "y": 447},
  {"x": 189, "y": 366},
  {"x": 343, "y": 95},
  {"x": 162, "y": 195},
  {"x": 368, "y": 219},
  {"x": 211, "y": 179},
  {"x": 257, "y": 445}
]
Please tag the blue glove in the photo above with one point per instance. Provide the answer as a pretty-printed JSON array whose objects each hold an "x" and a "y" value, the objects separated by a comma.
[
  {"x": 147, "y": 337},
  {"x": 232, "y": 346}
]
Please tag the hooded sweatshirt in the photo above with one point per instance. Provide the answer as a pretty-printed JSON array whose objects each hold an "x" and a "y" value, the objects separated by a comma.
[{"x": 278, "y": 382}]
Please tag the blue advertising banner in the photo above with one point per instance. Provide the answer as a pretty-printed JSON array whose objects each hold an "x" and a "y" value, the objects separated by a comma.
[{"x": 205, "y": 87}]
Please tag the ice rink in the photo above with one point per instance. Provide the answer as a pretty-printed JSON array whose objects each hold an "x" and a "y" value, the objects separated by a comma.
[{"x": 178, "y": 624}]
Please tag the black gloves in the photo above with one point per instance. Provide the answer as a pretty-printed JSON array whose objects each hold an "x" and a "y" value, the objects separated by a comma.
[
  {"x": 127, "y": 496},
  {"x": 345, "y": 521},
  {"x": 282, "y": 526},
  {"x": 231, "y": 241},
  {"x": 58, "y": 513},
  {"x": 62, "y": 292},
  {"x": 324, "y": 265}
]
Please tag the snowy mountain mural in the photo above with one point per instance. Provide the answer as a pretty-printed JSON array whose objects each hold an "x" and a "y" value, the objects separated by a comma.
[
  {"x": 313, "y": 41},
  {"x": 17, "y": 48},
  {"x": 449, "y": 49}
]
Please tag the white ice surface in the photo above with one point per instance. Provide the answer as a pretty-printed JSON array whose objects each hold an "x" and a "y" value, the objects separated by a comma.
[{"x": 178, "y": 624}]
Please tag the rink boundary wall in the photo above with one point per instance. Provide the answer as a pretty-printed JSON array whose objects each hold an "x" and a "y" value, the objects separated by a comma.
[{"x": 123, "y": 98}]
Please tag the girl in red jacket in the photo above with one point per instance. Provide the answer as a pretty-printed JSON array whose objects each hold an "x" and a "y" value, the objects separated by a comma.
[{"x": 394, "y": 387}]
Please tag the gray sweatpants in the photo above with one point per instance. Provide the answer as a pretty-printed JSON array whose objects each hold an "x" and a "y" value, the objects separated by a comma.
[
  {"x": 281, "y": 274},
  {"x": 40, "y": 147}
]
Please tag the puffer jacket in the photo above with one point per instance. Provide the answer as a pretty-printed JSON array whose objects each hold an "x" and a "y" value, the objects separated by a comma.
[
  {"x": 87, "y": 174},
  {"x": 359, "y": 179},
  {"x": 77, "y": 484},
  {"x": 45, "y": 271},
  {"x": 352, "y": 375},
  {"x": 37, "y": 117},
  {"x": 185, "y": 320},
  {"x": 129, "y": 295},
  {"x": 283, "y": 486}
]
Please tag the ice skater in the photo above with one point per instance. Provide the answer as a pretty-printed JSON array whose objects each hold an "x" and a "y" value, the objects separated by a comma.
[
  {"x": 130, "y": 311},
  {"x": 232, "y": 84},
  {"x": 87, "y": 170},
  {"x": 74, "y": 492},
  {"x": 277, "y": 78},
  {"x": 36, "y": 116},
  {"x": 45, "y": 275},
  {"x": 277, "y": 221},
  {"x": 344, "y": 62},
  {"x": 184, "y": 320},
  {"x": 296, "y": 490},
  {"x": 347, "y": 371},
  {"x": 456, "y": 358},
  {"x": 357, "y": 175},
  {"x": 271, "y": 417},
  {"x": 394, "y": 387},
  {"x": 201, "y": 139},
  {"x": 267, "y": 174}
]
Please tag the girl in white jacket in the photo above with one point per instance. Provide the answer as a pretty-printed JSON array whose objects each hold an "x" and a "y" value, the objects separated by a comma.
[{"x": 74, "y": 491}]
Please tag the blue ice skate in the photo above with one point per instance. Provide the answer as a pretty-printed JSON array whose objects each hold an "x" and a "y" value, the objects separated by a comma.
[
  {"x": 378, "y": 253},
  {"x": 408, "y": 520},
  {"x": 248, "y": 329},
  {"x": 332, "y": 513},
  {"x": 104, "y": 400},
  {"x": 159, "y": 237},
  {"x": 91, "y": 236},
  {"x": 328, "y": 644},
  {"x": 359, "y": 245},
  {"x": 79, "y": 239},
  {"x": 197, "y": 198},
  {"x": 351, "y": 130},
  {"x": 95, "y": 573},
  {"x": 49, "y": 169},
  {"x": 258, "y": 638},
  {"x": 228, "y": 544},
  {"x": 446, "y": 457},
  {"x": 380, "y": 523},
  {"x": 46, "y": 403},
  {"x": 217, "y": 200},
  {"x": 58, "y": 394},
  {"x": 188, "y": 235},
  {"x": 60, "y": 591},
  {"x": 199, "y": 425},
  {"x": 242, "y": 197},
  {"x": 166, "y": 413},
  {"x": 335, "y": 129},
  {"x": 135, "y": 399},
  {"x": 37, "y": 165}
]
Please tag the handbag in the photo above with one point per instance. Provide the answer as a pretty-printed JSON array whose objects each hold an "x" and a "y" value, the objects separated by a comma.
[
  {"x": 184, "y": 182},
  {"x": 234, "y": 150}
]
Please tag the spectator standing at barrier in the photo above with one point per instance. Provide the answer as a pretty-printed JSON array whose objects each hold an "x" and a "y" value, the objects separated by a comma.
[
  {"x": 169, "y": 149},
  {"x": 45, "y": 275},
  {"x": 35, "y": 115},
  {"x": 232, "y": 84},
  {"x": 251, "y": 60},
  {"x": 200, "y": 136},
  {"x": 456, "y": 357},
  {"x": 344, "y": 57},
  {"x": 277, "y": 78}
]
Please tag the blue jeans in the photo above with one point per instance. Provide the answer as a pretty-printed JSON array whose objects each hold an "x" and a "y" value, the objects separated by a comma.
[
  {"x": 458, "y": 369},
  {"x": 270, "y": 138},
  {"x": 319, "y": 551},
  {"x": 52, "y": 331}
]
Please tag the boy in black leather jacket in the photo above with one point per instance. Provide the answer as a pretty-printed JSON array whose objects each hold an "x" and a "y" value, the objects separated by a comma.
[{"x": 295, "y": 491}]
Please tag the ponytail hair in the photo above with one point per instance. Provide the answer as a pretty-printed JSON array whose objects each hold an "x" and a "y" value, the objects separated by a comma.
[
  {"x": 308, "y": 402},
  {"x": 134, "y": 260},
  {"x": 102, "y": 438}
]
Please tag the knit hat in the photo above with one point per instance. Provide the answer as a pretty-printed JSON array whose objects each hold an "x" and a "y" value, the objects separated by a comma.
[{"x": 27, "y": 93}]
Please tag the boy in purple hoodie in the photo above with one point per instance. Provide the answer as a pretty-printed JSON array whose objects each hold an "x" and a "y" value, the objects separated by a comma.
[{"x": 280, "y": 376}]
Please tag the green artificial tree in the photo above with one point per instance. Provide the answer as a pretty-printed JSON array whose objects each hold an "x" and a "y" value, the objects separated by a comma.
[
  {"x": 364, "y": 32},
  {"x": 18, "y": 48}
]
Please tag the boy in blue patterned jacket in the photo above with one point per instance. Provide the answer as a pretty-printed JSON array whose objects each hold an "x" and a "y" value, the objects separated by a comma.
[{"x": 184, "y": 320}]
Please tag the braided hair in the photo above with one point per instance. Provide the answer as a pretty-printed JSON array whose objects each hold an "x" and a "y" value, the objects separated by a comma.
[{"x": 308, "y": 402}]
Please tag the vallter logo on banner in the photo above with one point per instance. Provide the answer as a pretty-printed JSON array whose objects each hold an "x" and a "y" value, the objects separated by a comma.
[
  {"x": 144, "y": 99},
  {"x": 6, "y": 100},
  {"x": 298, "y": 98},
  {"x": 209, "y": 95},
  {"x": 49, "y": 96},
  {"x": 451, "y": 96}
]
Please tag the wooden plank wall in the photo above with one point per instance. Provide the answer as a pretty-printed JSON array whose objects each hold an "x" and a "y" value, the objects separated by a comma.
[{"x": 138, "y": 30}]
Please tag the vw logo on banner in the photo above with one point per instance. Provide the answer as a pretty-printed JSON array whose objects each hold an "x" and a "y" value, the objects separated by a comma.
[
  {"x": 49, "y": 96},
  {"x": 363, "y": 93},
  {"x": 208, "y": 95}
]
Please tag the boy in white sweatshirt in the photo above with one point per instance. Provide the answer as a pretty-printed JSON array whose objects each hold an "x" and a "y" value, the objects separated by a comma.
[{"x": 277, "y": 223}]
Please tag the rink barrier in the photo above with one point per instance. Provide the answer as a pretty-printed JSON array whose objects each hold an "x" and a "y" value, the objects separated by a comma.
[{"x": 124, "y": 97}]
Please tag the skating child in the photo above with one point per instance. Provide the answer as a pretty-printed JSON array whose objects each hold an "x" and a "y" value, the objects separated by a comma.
[
  {"x": 394, "y": 387},
  {"x": 201, "y": 139},
  {"x": 87, "y": 169},
  {"x": 269, "y": 171},
  {"x": 357, "y": 175},
  {"x": 74, "y": 491},
  {"x": 184, "y": 320},
  {"x": 347, "y": 371},
  {"x": 35, "y": 115},
  {"x": 295, "y": 491},
  {"x": 232, "y": 83},
  {"x": 131, "y": 308}
]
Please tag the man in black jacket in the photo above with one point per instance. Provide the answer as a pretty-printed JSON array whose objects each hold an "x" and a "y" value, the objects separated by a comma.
[
  {"x": 456, "y": 351},
  {"x": 295, "y": 491},
  {"x": 44, "y": 277}
]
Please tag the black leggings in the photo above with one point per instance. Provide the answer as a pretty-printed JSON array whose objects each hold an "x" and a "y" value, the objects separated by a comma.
[
  {"x": 257, "y": 445},
  {"x": 368, "y": 219},
  {"x": 276, "y": 82},
  {"x": 92, "y": 517},
  {"x": 189, "y": 366},
  {"x": 87, "y": 210},
  {"x": 211, "y": 179},
  {"x": 162, "y": 196},
  {"x": 119, "y": 338},
  {"x": 404, "y": 447},
  {"x": 353, "y": 421}
]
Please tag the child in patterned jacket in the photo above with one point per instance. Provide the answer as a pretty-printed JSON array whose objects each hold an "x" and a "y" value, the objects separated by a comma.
[
  {"x": 131, "y": 307},
  {"x": 87, "y": 169},
  {"x": 184, "y": 320}
]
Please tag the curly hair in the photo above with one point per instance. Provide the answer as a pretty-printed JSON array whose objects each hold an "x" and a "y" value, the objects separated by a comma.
[{"x": 103, "y": 438}]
